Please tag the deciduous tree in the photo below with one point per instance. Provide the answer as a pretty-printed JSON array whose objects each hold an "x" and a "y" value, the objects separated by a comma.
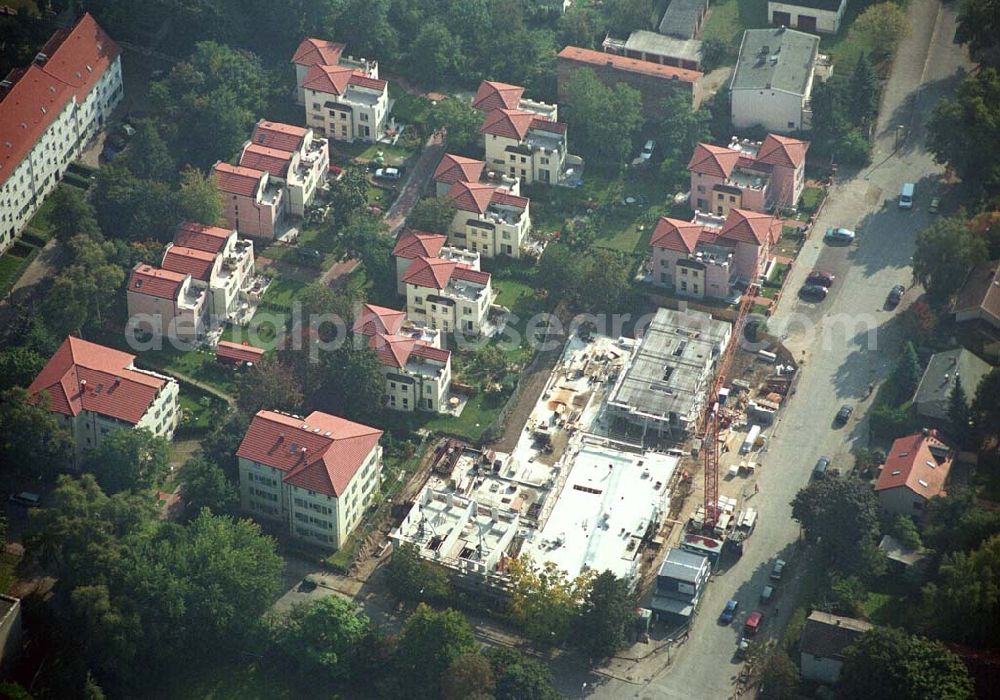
[
  {"x": 19, "y": 366},
  {"x": 206, "y": 486},
  {"x": 321, "y": 639},
  {"x": 986, "y": 406},
  {"x": 32, "y": 441},
  {"x": 978, "y": 28},
  {"x": 945, "y": 251},
  {"x": 147, "y": 155},
  {"x": 468, "y": 677},
  {"x": 199, "y": 199},
  {"x": 544, "y": 601},
  {"x": 428, "y": 645},
  {"x": 268, "y": 385},
  {"x": 71, "y": 214},
  {"x": 128, "y": 459},
  {"x": 605, "y": 617},
  {"x": 842, "y": 515},
  {"x": 518, "y": 677},
  {"x": 602, "y": 122},
  {"x": 414, "y": 580},
  {"x": 433, "y": 214},
  {"x": 881, "y": 26},
  {"x": 964, "y": 601},
  {"x": 460, "y": 121}
]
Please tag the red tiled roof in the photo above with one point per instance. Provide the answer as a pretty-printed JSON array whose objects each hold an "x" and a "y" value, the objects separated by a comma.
[
  {"x": 272, "y": 160},
  {"x": 493, "y": 95},
  {"x": 236, "y": 351},
  {"x": 429, "y": 352},
  {"x": 361, "y": 80},
  {"x": 283, "y": 137},
  {"x": 782, "y": 150},
  {"x": 313, "y": 51},
  {"x": 502, "y": 196},
  {"x": 378, "y": 319},
  {"x": 468, "y": 274},
  {"x": 471, "y": 196},
  {"x": 84, "y": 376},
  {"x": 155, "y": 282},
  {"x": 454, "y": 168},
  {"x": 329, "y": 79},
  {"x": 911, "y": 463},
  {"x": 320, "y": 452},
  {"x": 717, "y": 161},
  {"x": 211, "y": 239},
  {"x": 86, "y": 46},
  {"x": 236, "y": 179},
  {"x": 629, "y": 65},
  {"x": 412, "y": 244},
  {"x": 509, "y": 123},
  {"x": 396, "y": 350},
  {"x": 674, "y": 234},
  {"x": 189, "y": 261},
  {"x": 548, "y": 125},
  {"x": 433, "y": 273},
  {"x": 26, "y": 111},
  {"x": 750, "y": 227}
]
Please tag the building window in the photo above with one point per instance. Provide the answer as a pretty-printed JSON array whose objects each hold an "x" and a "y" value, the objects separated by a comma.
[{"x": 791, "y": 125}]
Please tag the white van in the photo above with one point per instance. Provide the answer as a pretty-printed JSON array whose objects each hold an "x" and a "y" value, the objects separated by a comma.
[{"x": 906, "y": 196}]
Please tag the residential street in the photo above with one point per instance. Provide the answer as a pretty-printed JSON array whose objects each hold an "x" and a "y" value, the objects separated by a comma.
[{"x": 839, "y": 364}]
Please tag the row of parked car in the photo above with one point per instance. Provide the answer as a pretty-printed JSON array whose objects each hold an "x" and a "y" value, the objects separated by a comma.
[{"x": 756, "y": 618}]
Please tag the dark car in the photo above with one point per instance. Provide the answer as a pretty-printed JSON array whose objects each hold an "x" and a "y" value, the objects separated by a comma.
[
  {"x": 839, "y": 235},
  {"x": 778, "y": 570},
  {"x": 729, "y": 612},
  {"x": 821, "y": 278},
  {"x": 813, "y": 292},
  {"x": 822, "y": 464},
  {"x": 895, "y": 296},
  {"x": 844, "y": 414}
]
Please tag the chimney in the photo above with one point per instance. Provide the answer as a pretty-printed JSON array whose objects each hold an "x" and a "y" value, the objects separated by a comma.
[
  {"x": 281, "y": 437},
  {"x": 302, "y": 455}
]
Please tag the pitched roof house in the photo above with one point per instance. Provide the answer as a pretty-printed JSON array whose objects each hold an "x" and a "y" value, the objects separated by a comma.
[
  {"x": 292, "y": 156},
  {"x": 166, "y": 303},
  {"x": 932, "y": 398},
  {"x": 979, "y": 298},
  {"x": 493, "y": 95},
  {"x": 489, "y": 220},
  {"x": 96, "y": 389},
  {"x": 413, "y": 244},
  {"x": 253, "y": 202},
  {"x": 320, "y": 52},
  {"x": 454, "y": 169},
  {"x": 813, "y": 16},
  {"x": 447, "y": 295},
  {"x": 316, "y": 474},
  {"x": 345, "y": 103},
  {"x": 532, "y": 148},
  {"x": 824, "y": 639},
  {"x": 914, "y": 472}
]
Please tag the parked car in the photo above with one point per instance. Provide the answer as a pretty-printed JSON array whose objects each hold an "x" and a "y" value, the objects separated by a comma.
[
  {"x": 934, "y": 205},
  {"x": 839, "y": 235},
  {"x": 647, "y": 150},
  {"x": 26, "y": 499},
  {"x": 742, "y": 647},
  {"x": 778, "y": 570},
  {"x": 823, "y": 279},
  {"x": 895, "y": 296},
  {"x": 813, "y": 292},
  {"x": 767, "y": 594},
  {"x": 753, "y": 623},
  {"x": 729, "y": 612},
  {"x": 844, "y": 414},
  {"x": 388, "y": 173},
  {"x": 822, "y": 464}
]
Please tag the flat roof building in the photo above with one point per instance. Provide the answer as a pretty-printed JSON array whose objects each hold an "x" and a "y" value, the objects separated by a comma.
[
  {"x": 663, "y": 387},
  {"x": 683, "y": 18},
  {"x": 679, "y": 584}
]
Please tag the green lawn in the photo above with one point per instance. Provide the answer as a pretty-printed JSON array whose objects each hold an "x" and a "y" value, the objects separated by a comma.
[
  {"x": 283, "y": 291},
  {"x": 728, "y": 18},
  {"x": 811, "y": 198},
  {"x": 219, "y": 679},
  {"x": 511, "y": 293},
  {"x": 12, "y": 267},
  {"x": 479, "y": 412},
  {"x": 199, "y": 365}
]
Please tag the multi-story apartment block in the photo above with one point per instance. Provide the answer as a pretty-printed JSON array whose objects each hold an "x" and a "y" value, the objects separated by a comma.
[
  {"x": 345, "y": 104},
  {"x": 417, "y": 369},
  {"x": 49, "y": 112},
  {"x": 415, "y": 244},
  {"x": 447, "y": 295},
  {"x": 747, "y": 174},
  {"x": 164, "y": 303},
  {"x": 94, "y": 390},
  {"x": 488, "y": 219},
  {"x": 319, "y": 52},
  {"x": 492, "y": 95},
  {"x": 253, "y": 202},
  {"x": 531, "y": 148},
  {"x": 710, "y": 256},
  {"x": 314, "y": 475},
  {"x": 292, "y": 155}
]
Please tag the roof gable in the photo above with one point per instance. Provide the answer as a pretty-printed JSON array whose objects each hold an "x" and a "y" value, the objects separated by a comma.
[
  {"x": 509, "y": 123},
  {"x": 283, "y": 137},
  {"x": 329, "y": 79},
  {"x": 378, "y": 319},
  {"x": 318, "y": 51},
  {"x": 432, "y": 273},
  {"x": 412, "y": 244},
  {"x": 717, "y": 161},
  {"x": 189, "y": 261},
  {"x": 917, "y": 462},
  {"x": 156, "y": 282},
  {"x": 236, "y": 179},
  {"x": 83, "y": 55},
  {"x": 599, "y": 59},
  {"x": 750, "y": 227},
  {"x": 272, "y": 160},
  {"x": 242, "y": 352},
  {"x": 211, "y": 239},
  {"x": 493, "y": 95},
  {"x": 674, "y": 234},
  {"x": 782, "y": 151},
  {"x": 454, "y": 168},
  {"x": 471, "y": 196}
]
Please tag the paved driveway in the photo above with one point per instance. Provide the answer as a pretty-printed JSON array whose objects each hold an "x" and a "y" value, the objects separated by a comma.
[{"x": 841, "y": 358}]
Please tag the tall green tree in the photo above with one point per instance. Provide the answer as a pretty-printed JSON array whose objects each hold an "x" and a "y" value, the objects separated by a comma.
[
  {"x": 907, "y": 373},
  {"x": 985, "y": 410},
  {"x": 147, "y": 155},
  {"x": 469, "y": 676},
  {"x": 959, "y": 415},
  {"x": 19, "y": 365},
  {"x": 606, "y": 616},
  {"x": 461, "y": 123},
  {"x": 199, "y": 199},
  {"x": 433, "y": 214},
  {"x": 864, "y": 92},
  {"x": 268, "y": 385},
  {"x": 518, "y": 677},
  {"x": 438, "y": 52},
  {"x": 429, "y": 643},
  {"x": 888, "y": 663},
  {"x": 354, "y": 386},
  {"x": 979, "y": 29},
  {"x": 128, "y": 460},
  {"x": 625, "y": 16},
  {"x": 321, "y": 639},
  {"x": 681, "y": 129},
  {"x": 602, "y": 121},
  {"x": 945, "y": 251},
  {"x": 133, "y": 209},
  {"x": 964, "y": 602},
  {"x": 71, "y": 214},
  {"x": 412, "y": 579},
  {"x": 32, "y": 440},
  {"x": 348, "y": 196},
  {"x": 842, "y": 515},
  {"x": 881, "y": 26},
  {"x": 83, "y": 291},
  {"x": 206, "y": 486},
  {"x": 957, "y": 522},
  {"x": 544, "y": 601}
]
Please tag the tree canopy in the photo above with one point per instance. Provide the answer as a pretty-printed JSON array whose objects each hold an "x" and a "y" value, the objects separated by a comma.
[
  {"x": 32, "y": 442},
  {"x": 460, "y": 121},
  {"x": 945, "y": 251},
  {"x": 964, "y": 601},
  {"x": 429, "y": 644},
  {"x": 128, "y": 460},
  {"x": 843, "y": 515},
  {"x": 412, "y": 579},
  {"x": 433, "y": 214},
  {"x": 321, "y": 639},
  {"x": 607, "y": 614},
  {"x": 603, "y": 122},
  {"x": 206, "y": 486},
  {"x": 545, "y": 602},
  {"x": 979, "y": 29}
]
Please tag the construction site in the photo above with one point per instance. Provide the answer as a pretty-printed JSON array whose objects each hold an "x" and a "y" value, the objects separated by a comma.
[{"x": 589, "y": 487}]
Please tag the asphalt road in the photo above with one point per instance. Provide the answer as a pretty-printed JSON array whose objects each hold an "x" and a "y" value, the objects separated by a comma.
[{"x": 841, "y": 357}]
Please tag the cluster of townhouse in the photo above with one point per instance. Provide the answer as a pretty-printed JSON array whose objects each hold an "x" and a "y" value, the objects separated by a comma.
[
  {"x": 730, "y": 239},
  {"x": 49, "y": 113}
]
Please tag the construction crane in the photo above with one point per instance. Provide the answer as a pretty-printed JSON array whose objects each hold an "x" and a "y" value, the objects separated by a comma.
[{"x": 710, "y": 420}]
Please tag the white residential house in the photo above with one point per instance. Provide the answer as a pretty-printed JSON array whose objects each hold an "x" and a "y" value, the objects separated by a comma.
[
  {"x": 526, "y": 146},
  {"x": 49, "y": 112},
  {"x": 417, "y": 369},
  {"x": 314, "y": 475},
  {"x": 312, "y": 52},
  {"x": 345, "y": 104},
  {"x": 774, "y": 77},
  {"x": 292, "y": 155},
  {"x": 413, "y": 244},
  {"x": 489, "y": 220},
  {"x": 447, "y": 295},
  {"x": 95, "y": 390},
  {"x": 813, "y": 16}
]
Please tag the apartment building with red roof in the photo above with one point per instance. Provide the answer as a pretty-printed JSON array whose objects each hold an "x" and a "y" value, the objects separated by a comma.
[
  {"x": 49, "y": 112},
  {"x": 314, "y": 475},
  {"x": 655, "y": 82},
  {"x": 417, "y": 368},
  {"x": 291, "y": 155},
  {"x": 346, "y": 104},
  {"x": 320, "y": 52},
  {"x": 754, "y": 175},
  {"x": 489, "y": 220},
  {"x": 94, "y": 390},
  {"x": 447, "y": 295},
  {"x": 203, "y": 281},
  {"x": 532, "y": 148},
  {"x": 710, "y": 257},
  {"x": 915, "y": 471},
  {"x": 493, "y": 95},
  {"x": 413, "y": 244},
  {"x": 253, "y": 202}
]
